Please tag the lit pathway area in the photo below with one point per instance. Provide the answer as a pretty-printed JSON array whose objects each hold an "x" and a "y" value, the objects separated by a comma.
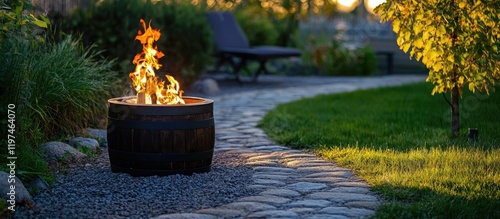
[{"x": 289, "y": 183}]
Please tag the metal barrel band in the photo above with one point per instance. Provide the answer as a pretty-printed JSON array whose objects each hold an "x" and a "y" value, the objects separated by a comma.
[
  {"x": 157, "y": 110},
  {"x": 145, "y": 172},
  {"x": 159, "y": 125},
  {"x": 158, "y": 157}
]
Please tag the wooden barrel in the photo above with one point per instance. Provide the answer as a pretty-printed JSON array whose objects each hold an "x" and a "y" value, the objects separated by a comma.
[{"x": 146, "y": 140}]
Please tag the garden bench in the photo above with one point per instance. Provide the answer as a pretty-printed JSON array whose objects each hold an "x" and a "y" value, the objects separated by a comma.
[{"x": 231, "y": 45}]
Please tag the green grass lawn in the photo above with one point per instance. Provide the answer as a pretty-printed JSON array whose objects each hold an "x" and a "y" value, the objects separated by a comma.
[{"x": 398, "y": 140}]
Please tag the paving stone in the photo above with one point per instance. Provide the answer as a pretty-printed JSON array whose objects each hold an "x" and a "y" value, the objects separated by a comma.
[
  {"x": 237, "y": 141},
  {"x": 264, "y": 157},
  {"x": 371, "y": 205},
  {"x": 349, "y": 212},
  {"x": 324, "y": 179},
  {"x": 305, "y": 186},
  {"x": 299, "y": 155},
  {"x": 270, "y": 199},
  {"x": 251, "y": 131},
  {"x": 223, "y": 125},
  {"x": 226, "y": 145},
  {"x": 185, "y": 216},
  {"x": 251, "y": 153},
  {"x": 261, "y": 187},
  {"x": 269, "y": 182},
  {"x": 262, "y": 163},
  {"x": 273, "y": 214},
  {"x": 271, "y": 176},
  {"x": 302, "y": 210},
  {"x": 260, "y": 135},
  {"x": 232, "y": 137},
  {"x": 305, "y": 163},
  {"x": 281, "y": 192},
  {"x": 258, "y": 143},
  {"x": 278, "y": 170},
  {"x": 326, "y": 216},
  {"x": 249, "y": 206},
  {"x": 330, "y": 174},
  {"x": 272, "y": 147},
  {"x": 323, "y": 168},
  {"x": 269, "y": 151},
  {"x": 360, "y": 190},
  {"x": 312, "y": 203},
  {"x": 352, "y": 184},
  {"x": 341, "y": 197},
  {"x": 222, "y": 212},
  {"x": 251, "y": 119},
  {"x": 247, "y": 125}
]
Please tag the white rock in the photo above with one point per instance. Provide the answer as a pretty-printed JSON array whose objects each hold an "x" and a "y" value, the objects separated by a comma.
[
  {"x": 81, "y": 142},
  {"x": 58, "y": 151},
  {"x": 12, "y": 186},
  {"x": 100, "y": 134},
  {"x": 207, "y": 86}
]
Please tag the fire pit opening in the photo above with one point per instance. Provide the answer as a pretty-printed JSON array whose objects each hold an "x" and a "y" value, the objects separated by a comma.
[{"x": 159, "y": 132}]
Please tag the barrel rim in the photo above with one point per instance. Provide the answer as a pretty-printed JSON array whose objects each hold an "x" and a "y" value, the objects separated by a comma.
[{"x": 121, "y": 101}]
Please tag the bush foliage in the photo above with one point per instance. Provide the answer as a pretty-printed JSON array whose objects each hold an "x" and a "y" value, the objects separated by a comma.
[
  {"x": 186, "y": 38},
  {"x": 332, "y": 58},
  {"x": 57, "y": 89},
  {"x": 257, "y": 26}
]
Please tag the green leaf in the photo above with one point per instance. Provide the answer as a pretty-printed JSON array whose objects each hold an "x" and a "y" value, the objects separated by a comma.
[{"x": 38, "y": 22}]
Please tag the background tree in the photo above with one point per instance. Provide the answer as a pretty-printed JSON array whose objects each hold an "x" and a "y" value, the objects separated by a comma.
[{"x": 456, "y": 40}]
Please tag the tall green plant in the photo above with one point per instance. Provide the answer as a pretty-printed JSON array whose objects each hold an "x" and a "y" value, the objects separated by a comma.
[
  {"x": 61, "y": 87},
  {"x": 456, "y": 40}
]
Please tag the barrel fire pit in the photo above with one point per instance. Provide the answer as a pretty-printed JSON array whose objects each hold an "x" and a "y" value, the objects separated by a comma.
[
  {"x": 158, "y": 131},
  {"x": 153, "y": 139}
]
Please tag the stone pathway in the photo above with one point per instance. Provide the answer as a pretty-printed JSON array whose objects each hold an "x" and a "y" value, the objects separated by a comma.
[{"x": 288, "y": 183}]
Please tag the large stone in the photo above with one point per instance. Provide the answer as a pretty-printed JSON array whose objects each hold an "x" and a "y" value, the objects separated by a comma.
[
  {"x": 11, "y": 188},
  {"x": 58, "y": 151},
  {"x": 206, "y": 86},
  {"x": 100, "y": 134},
  {"x": 81, "y": 142},
  {"x": 38, "y": 184}
]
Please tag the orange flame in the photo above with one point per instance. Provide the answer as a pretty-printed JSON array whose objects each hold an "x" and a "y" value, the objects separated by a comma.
[{"x": 151, "y": 90}]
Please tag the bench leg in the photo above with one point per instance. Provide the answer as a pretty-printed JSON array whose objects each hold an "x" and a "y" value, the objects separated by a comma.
[
  {"x": 237, "y": 69},
  {"x": 262, "y": 68},
  {"x": 389, "y": 63}
]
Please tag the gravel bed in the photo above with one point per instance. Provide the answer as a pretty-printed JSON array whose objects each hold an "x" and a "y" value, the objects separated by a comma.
[{"x": 91, "y": 190}]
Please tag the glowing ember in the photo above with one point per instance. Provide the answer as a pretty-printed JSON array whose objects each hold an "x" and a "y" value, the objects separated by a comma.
[{"x": 150, "y": 89}]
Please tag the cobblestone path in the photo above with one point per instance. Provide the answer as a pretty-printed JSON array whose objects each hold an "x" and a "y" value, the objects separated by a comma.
[{"x": 288, "y": 183}]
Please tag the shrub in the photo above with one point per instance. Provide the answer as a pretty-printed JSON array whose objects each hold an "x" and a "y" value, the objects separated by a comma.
[
  {"x": 61, "y": 85},
  {"x": 333, "y": 58},
  {"x": 257, "y": 26},
  {"x": 57, "y": 88},
  {"x": 186, "y": 38}
]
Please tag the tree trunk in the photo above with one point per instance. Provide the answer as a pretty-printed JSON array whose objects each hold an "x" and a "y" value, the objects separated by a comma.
[{"x": 455, "y": 115}]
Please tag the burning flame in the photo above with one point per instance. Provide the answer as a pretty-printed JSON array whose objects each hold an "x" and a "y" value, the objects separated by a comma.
[{"x": 150, "y": 89}]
